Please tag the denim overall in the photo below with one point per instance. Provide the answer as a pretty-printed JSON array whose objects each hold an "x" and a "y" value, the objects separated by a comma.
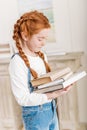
[{"x": 40, "y": 117}]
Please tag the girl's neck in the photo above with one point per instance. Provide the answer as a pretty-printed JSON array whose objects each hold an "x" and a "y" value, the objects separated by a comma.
[{"x": 28, "y": 51}]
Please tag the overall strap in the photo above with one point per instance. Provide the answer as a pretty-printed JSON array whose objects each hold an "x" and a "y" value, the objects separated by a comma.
[
  {"x": 31, "y": 88},
  {"x": 14, "y": 55}
]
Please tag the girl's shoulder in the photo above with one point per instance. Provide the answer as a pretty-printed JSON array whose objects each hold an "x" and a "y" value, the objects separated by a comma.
[
  {"x": 17, "y": 65},
  {"x": 16, "y": 60}
]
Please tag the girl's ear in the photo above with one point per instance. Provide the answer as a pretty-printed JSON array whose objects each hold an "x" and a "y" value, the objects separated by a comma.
[{"x": 24, "y": 37}]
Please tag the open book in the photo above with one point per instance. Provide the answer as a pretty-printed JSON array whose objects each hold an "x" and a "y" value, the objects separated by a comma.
[
  {"x": 51, "y": 76},
  {"x": 60, "y": 83}
]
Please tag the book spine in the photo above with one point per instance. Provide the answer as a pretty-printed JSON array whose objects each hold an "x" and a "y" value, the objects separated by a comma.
[{"x": 56, "y": 82}]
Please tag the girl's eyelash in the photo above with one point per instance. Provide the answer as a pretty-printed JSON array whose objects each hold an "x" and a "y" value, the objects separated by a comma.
[{"x": 40, "y": 39}]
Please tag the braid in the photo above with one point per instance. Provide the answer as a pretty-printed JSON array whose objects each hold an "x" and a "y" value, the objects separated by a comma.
[
  {"x": 41, "y": 55},
  {"x": 21, "y": 53}
]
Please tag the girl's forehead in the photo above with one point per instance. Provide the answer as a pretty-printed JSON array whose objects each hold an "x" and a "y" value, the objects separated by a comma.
[{"x": 43, "y": 33}]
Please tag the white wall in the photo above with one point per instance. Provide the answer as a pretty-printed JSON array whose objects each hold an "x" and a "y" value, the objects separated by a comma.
[
  {"x": 71, "y": 24},
  {"x": 71, "y": 33},
  {"x": 8, "y": 15}
]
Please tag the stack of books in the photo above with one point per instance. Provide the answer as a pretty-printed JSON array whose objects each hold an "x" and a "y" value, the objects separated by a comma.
[{"x": 56, "y": 80}]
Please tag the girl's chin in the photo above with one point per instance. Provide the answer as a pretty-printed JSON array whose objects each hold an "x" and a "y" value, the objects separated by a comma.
[{"x": 38, "y": 50}]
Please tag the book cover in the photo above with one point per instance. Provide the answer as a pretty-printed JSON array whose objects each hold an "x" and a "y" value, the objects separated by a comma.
[
  {"x": 74, "y": 78},
  {"x": 51, "y": 76},
  {"x": 61, "y": 83}
]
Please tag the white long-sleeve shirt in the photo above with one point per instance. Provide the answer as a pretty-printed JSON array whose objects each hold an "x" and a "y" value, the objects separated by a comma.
[{"x": 19, "y": 80}]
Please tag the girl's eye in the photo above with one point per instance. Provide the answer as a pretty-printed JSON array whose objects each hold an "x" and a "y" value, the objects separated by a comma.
[{"x": 40, "y": 39}]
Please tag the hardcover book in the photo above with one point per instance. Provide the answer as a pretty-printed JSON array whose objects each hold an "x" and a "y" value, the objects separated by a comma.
[
  {"x": 60, "y": 83},
  {"x": 51, "y": 76}
]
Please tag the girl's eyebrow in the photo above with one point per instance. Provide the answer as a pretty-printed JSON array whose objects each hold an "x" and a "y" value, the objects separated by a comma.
[
  {"x": 40, "y": 37},
  {"x": 44, "y": 37}
]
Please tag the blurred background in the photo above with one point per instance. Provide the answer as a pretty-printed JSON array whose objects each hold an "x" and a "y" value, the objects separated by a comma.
[{"x": 70, "y": 26}]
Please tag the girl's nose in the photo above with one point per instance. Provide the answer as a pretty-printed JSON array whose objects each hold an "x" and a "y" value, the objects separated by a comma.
[{"x": 43, "y": 42}]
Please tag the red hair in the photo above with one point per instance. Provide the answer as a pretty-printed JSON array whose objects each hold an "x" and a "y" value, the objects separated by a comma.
[{"x": 30, "y": 23}]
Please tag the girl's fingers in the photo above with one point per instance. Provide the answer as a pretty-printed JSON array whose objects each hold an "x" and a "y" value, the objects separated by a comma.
[
  {"x": 68, "y": 88},
  {"x": 61, "y": 92}
]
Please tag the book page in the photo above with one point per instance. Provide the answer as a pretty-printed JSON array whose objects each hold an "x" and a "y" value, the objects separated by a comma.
[{"x": 75, "y": 77}]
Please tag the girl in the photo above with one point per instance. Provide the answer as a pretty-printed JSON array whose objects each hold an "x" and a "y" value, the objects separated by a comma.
[{"x": 38, "y": 110}]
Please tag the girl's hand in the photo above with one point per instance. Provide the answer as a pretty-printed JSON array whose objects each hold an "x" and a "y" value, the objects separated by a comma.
[{"x": 58, "y": 93}]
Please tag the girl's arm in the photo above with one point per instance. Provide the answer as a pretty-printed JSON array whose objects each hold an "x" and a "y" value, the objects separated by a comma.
[{"x": 19, "y": 84}]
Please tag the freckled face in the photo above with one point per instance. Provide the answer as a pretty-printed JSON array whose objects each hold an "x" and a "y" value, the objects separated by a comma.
[{"x": 38, "y": 40}]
